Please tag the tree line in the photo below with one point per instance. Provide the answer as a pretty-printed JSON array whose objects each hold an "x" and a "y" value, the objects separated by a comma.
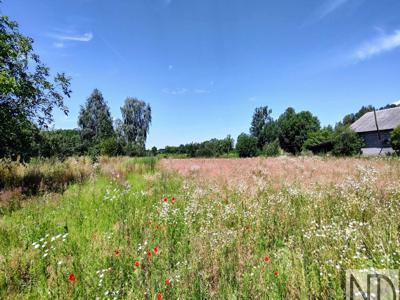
[
  {"x": 293, "y": 132},
  {"x": 98, "y": 134}
]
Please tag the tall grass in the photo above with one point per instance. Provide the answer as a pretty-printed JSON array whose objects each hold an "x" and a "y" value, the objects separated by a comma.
[
  {"x": 43, "y": 174},
  {"x": 207, "y": 240}
]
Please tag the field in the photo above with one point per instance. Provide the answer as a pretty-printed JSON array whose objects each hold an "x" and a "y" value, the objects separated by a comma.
[{"x": 276, "y": 228}]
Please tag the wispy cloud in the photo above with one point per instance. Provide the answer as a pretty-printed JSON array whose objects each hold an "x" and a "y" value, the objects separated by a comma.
[
  {"x": 62, "y": 38},
  {"x": 180, "y": 91},
  {"x": 170, "y": 67},
  {"x": 396, "y": 102},
  {"x": 86, "y": 37},
  {"x": 382, "y": 44},
  {"x": 329, "y": 7},
  {"x": 183, "y": 91}
]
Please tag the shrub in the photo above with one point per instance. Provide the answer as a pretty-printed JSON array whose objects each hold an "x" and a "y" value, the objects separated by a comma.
[
  {"x": 395, "y": 139},
  {"x": 318, "y": 137},
  {"x": 246, "y": 145},
  {"x": 346, "y": 142},
  {"x": 272, "y": 149},
  {"x": 110, "y": 146}
]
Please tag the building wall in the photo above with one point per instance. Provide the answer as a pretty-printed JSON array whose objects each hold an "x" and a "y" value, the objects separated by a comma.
[{"x": 371, "y": 139}]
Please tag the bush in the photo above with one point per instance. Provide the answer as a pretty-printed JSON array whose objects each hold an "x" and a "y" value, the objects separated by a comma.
[
  {"x": 318, "y": 137},
  {"x": 132, "y": 149},
  {"x": 246, "y": 145},
  {"x": 395, "y": 139},
  {"x": 110, "y": 146},
  {"x": 272, "y": 149},
  {"x": 346, "y": 142}
]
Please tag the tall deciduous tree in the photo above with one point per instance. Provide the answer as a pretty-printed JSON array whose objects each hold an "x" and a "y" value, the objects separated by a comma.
[
  {"x": 135, "y": 125},
  {"x": 27, "y": 93},
  {"x": 261, "y": 117},
  {"x": 95, "y": 119},
  {"x": 294, "y": 129}
]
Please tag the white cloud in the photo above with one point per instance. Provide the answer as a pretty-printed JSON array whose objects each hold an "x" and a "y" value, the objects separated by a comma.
[
  {"x": 180, "y": 91},
  {"x": 377, "y": 46},
  {"x": 329, "y": 7},
  {"x": 62, "y": 38},
  {"x": 397, "y": 102},
  {"x": 86, "y": 37}
]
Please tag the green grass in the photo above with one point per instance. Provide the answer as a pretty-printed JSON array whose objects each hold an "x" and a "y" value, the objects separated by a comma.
[{"x": 212, "y": 241}]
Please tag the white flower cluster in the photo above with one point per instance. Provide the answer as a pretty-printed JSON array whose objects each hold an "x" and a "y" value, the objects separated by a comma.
[{"x": 47, "y": 243}]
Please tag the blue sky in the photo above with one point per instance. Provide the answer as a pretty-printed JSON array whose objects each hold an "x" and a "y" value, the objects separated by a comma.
[{"x": 205, "y": 65}]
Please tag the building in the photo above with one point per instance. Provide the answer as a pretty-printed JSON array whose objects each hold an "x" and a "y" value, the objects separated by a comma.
[{"x": 375, "y": 132}]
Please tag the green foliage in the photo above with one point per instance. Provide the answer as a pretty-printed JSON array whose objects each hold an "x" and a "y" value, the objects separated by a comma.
[
  {"x": 246, "y": 145},
  {"x": 270, "y": 132},
  {"x": 95, "y": 120},
  {"x": 346, "y": 142},
  {"x": 319, "y": 137},
  {"x": 272, "y": 149},
  {"x": 294, "y": 129},
  {"x": 395, "y": 139},
  {"x": 261, "y": 117},
  {"x": 61, "y": 143},
  {"x": 351, "y": 118},
  {"x": 135, "y": 125},
  {"x": 210, "y": 148},
  {"x": 27, "y": 94},
  {"x": 154, "y": 151},
  {"x": 19, "y": 137},
  {"x": 134, "y": 149},
  {"x": 110, "y": 146},
  {"x": 285, "y": 241}
]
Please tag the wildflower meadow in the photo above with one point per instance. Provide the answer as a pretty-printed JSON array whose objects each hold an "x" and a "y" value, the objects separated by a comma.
[{"x": 151, "y": 229}]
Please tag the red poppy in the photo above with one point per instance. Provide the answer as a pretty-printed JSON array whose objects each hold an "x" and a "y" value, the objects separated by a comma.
[
  {"x": 149, "y": 254},
  {"x": 168, "y": 281},
  {"x": 173, "y": 199},
  {"x": 266, "y": 259},
  {"x": 159, "y": 296},
  {"x": 155, "y": 250},
  {"x": 72, "y": 278},
  {"x": 165, "y": 199},
  {"x": 137, "y": 264},
  {"x": 117, "y": 252},
  {"x": 276, "y": 273},
  {"x": 109, "y": 269}
]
